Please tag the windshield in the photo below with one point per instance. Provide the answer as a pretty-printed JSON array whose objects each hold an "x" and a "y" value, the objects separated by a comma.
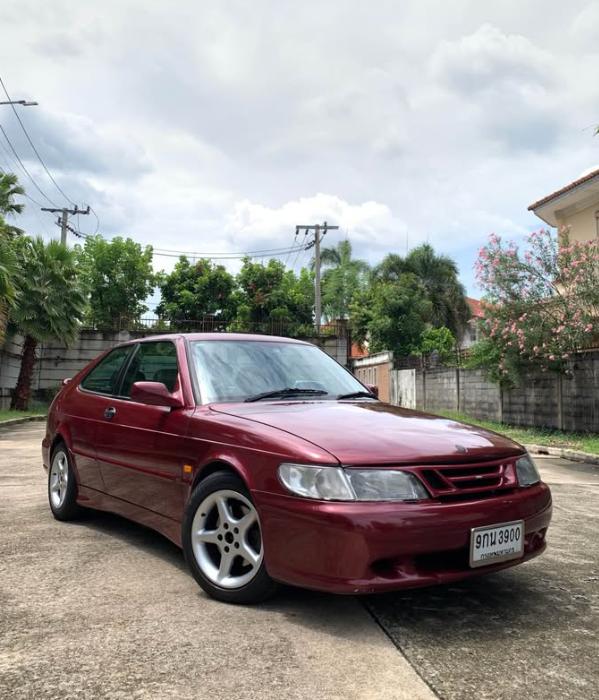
[{"x": 235, "y": 370}]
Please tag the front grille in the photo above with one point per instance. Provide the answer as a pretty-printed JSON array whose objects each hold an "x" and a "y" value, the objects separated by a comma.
[{"x": 451, "y": 481}]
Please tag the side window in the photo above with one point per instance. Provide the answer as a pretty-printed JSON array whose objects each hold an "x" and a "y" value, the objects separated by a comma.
[
  {"x": 153, "y": 362},
  {"x": 104, "y": 376}
]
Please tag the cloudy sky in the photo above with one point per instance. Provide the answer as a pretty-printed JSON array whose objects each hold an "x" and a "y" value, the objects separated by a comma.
[{"x": 218, "y": 126}]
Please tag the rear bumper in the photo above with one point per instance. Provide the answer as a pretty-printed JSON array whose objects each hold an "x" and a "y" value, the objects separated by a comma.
[{"x": 375, "y": 547}]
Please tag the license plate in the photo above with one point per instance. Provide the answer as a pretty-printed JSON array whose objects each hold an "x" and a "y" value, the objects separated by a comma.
[{"x": 495, "y": 543}]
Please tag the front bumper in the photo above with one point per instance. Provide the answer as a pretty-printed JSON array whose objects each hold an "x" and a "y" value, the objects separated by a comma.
[{"x": 375, "y": 547}]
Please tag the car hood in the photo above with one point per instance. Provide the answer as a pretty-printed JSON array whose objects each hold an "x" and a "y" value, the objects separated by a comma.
[{"x": 372, "y": 432}]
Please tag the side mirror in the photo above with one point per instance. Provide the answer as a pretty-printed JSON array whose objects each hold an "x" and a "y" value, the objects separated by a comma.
[
  {"x": 66, "y": 381},
  {"x": 373, "y": 389},
  {"x": 154, "y": 394}
]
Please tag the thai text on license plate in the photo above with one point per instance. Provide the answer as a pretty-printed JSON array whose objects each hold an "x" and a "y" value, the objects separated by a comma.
[{"x": 495, "y": 543}]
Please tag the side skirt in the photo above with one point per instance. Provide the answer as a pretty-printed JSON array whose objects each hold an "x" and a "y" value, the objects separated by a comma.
[{"x": 90, "y": 498}]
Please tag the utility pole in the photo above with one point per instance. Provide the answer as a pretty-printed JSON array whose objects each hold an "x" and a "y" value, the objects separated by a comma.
[
  {"x": 63, "y": 221},
  {"x": 320, "y": 230}
]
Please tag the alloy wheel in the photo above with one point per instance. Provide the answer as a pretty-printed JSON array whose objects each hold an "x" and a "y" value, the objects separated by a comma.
[
  {"x": 226, "y": 539},
  {"x": 59, "y": 478}
]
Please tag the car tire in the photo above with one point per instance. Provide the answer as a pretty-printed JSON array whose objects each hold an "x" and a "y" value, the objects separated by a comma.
[
  {"x": 221, "y": 516},
  {"x": 62, "y": 485}
]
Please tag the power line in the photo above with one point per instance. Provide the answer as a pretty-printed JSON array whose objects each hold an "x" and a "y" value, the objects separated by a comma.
[
  {"x": 97, "y": 221},
  {"x": 228, "y": 256},
  {"x": 303, "y": 247},
  {"x": 16, "y": 155},
  {"x": 8, "y": 170},
  {"x": 64, "y": 219},
  {"x": 279, "y": 250},
  {"x": 4, "y": 171},
  {"x": 288, "y": 254},
  {"x": 34, "y": 148}
]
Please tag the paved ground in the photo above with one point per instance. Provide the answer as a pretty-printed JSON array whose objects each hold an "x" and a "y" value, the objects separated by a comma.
[
  {"x": 532, "y": 631},
  {"x": 106, "y": 609}
]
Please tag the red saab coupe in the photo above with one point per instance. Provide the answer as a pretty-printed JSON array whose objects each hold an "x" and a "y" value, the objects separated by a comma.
[{"x": 267, "y": 461}]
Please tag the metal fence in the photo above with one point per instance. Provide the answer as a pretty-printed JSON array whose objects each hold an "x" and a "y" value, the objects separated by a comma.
[{"x": 213, "y": 324}]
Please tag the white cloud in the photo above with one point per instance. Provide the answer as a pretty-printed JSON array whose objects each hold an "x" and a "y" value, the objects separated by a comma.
[
  {"x": 369, "y": 224},
  {"x": 489, "y": 57},
  {"x": 215, "y": 127}
]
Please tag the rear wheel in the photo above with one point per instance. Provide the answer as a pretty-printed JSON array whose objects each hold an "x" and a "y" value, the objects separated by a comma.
[
  {"x": 62, "y": 486},
  {"x": 222, "y": 541}
]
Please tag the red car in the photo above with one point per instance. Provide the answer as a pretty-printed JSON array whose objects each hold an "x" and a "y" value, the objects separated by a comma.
[{"x": 267, "y": 461}]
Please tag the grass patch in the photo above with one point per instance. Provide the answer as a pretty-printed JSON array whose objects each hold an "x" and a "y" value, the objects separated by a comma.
[
  {"x": 10, "y": 415},
  {"x": 585, "y": 442}
]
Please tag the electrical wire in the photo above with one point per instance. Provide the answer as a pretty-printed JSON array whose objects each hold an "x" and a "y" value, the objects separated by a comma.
[
  {"x": 303, "y": 246},
  {"x": 228, "y": 256},
  {"x": 20, "y": 162},
  {"x": 288, "y": 254},
  {"x": 44, "y": 166},
  {"x": 5, "y": 171},
  {"x": 280, "y": 251},
  {"x": 97, "y": 220}
]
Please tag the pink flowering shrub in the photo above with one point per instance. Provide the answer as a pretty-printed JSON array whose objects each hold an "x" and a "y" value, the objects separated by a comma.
[{"x": 540, "y": 305}]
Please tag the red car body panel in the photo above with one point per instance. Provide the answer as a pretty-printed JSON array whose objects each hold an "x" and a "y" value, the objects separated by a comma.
[{"x": 134, "y": 466}]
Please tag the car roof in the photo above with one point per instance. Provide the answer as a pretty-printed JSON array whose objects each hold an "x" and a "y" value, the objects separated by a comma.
[{"x": 217, "y": 336}]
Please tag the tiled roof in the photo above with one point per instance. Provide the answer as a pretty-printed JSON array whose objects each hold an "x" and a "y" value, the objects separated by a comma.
[
  {"x": 563, "y": 190},
  {"x": 475, "y": 307}
]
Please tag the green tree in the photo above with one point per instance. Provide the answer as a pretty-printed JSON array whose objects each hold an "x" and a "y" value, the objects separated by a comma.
[
  {"x": 342, "y": 278},
  {"x": 271, "y": 294},
  {"x": 439, "y": 277},
  {"x": 50, "y": 304},
  {"x": 118, "y": 277},
  {"x": 438, "y": 340},
  {"x": 391, "y": 315},
  {"x": 193, "y": 291}
]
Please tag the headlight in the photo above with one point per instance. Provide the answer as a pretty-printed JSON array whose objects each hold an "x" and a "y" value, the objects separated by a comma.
[
  {"x": 385, "y": 485},
  {"x": 337, "y": 484},
  {"x": 527, "y": 472},
  {"x": 325, "y": 483}
]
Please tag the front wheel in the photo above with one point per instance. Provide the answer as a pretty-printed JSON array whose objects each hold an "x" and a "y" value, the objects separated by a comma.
[{"x": 222, "y": 541}]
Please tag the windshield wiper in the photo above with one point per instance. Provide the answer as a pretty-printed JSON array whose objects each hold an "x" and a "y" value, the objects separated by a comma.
[
  {"x": 357, "y": 395},
  {"x": 289, "y": 391}
]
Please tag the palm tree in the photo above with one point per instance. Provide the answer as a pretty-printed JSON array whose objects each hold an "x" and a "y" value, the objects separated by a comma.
[
  {"x": 9, "y": 189},
  {"x": 439, "y": 275},
  {"x": 343, "y": 276},
  {"x": 8, "y": 273},
  {"x": 51, "y": 303}
]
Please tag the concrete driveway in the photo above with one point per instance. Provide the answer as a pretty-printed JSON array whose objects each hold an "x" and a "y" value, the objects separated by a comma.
[
  {"x": 530, "y": 632},
  {"x": 106, "y": 609}
]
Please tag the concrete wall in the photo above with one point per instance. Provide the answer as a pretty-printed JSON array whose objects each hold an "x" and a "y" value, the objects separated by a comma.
[
  {"x": 403, "y": 388},
  {"x": 478, "y": 397},
  {"x": 582, "y": 225},
  {"x": 376, "y": 370},
  {"x": 55, "y": 361},
  {"x": 544, "y": 399}
]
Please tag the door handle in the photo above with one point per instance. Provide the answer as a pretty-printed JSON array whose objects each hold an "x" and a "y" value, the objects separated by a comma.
[{"x": 110, "y": 412}]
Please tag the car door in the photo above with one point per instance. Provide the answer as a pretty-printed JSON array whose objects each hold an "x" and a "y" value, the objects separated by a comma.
[
  {"x": 85, "y": 407},
  {"x": 141, "y": 448}
]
